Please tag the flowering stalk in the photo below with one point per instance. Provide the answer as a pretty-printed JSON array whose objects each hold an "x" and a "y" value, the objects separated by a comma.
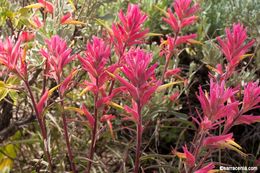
[
  {"x": 57, "y": 56},
  {"x": 14, "y": 58},
  {"x": 142, "y": 84},
  {"x": 42, "y": 126},
  {"x": 128, "y": 32},
  {"x": 183, "y": 16},
  {"x": 234, "y": 47},
  {"x": 94, "y": 61}
]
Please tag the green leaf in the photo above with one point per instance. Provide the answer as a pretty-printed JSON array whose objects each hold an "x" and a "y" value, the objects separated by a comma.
[
  {"x": 10, "y": 150},
  {"x": 3, "y": 90},
  {"x": 14, "y": 96},
  {"x": 13, "y": 80}
]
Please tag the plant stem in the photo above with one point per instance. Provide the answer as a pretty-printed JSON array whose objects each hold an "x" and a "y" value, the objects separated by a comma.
[
  {"x": 66, "y": 135},
  {"x": 42, "y": 126},
  {"x": 138, "y": 138},
  {"x": 94, "y": 133}
]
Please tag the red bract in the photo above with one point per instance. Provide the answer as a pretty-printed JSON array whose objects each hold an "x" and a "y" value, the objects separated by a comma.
[
  {"x": 183, "y": 16},
  {"x": 172, "y": 72},
  {"x": 214, "y": 104},
  {"x": 215, "y": 140},
  {"x": 142, "y": 83},
  {"x": 247, "y": 119},
  {"x": 89, "y": 116},
  {"x": 129, "y": 31},
  {"x": 108, "y": 119},
  {"x": 190, "y": 159},
  {"x": 13, "y": 57},
  {"x": 57, "y": 55},
  {"x": 206, "y": 169},
  {"x": 133, "y": 112},
  {"x": 205, "y": 124},
  {"x": 42, "y": 102},
  {"x": 27, "y": 36},
  {"x": 174, "y": 96},
  {"x": 96, "y": 57},
  {"x": 67, "y": 81},
  {"x": 65, "y": 18},
  {"x": 48, "y": 6},
  {"x": 37, "y": 22},
  {"x": 251, "y": 98},
  {"x": 234, "y": 46}
]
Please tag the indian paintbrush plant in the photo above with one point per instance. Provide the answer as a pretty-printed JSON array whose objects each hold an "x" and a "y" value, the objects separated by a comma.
[{"x": 114, "y": 82}]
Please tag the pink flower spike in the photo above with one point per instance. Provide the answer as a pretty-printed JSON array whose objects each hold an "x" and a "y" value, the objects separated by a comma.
[
  {"x": 183, "y": 16},
  {"x": 57, "y": 55},
  {"x": 206, "y": 169},
  {"x": 88, "y": 115},
  {"x": 214, "y": 104},
  {"x": 128, "y": 32},
  {"x": 142, "y": 83},
  {"x": 96, "y": 57},
  {"x": 13, "y": 57},
  {"x": 235, "y": 46}
]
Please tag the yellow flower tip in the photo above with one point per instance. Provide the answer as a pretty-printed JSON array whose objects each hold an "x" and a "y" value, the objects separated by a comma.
[
  {"x": 165, "y": 42},
  {"x": 52, "y": 90},
  {"x": 192, "y": 41},
  {"x": 73, "y": 22},
  {"x": 75, "y": 72},
  {"x": 78, "y": 110},
  {"x": 245, "y": 56},
  {"x": 216, "y": 171},
  {"x": 111, "y": 74},
  {"x": 36, "y": 5},
  {"x": 165, "y": 86},
  {"x": 232, "y": 142},
  {"x": 232, "y": 145},
  {"x": 115, "y": 105},
  {"x": 151, "y": 34},
  {"x": 84, "y": 91},
  {"x": 180, "y": 155}
]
